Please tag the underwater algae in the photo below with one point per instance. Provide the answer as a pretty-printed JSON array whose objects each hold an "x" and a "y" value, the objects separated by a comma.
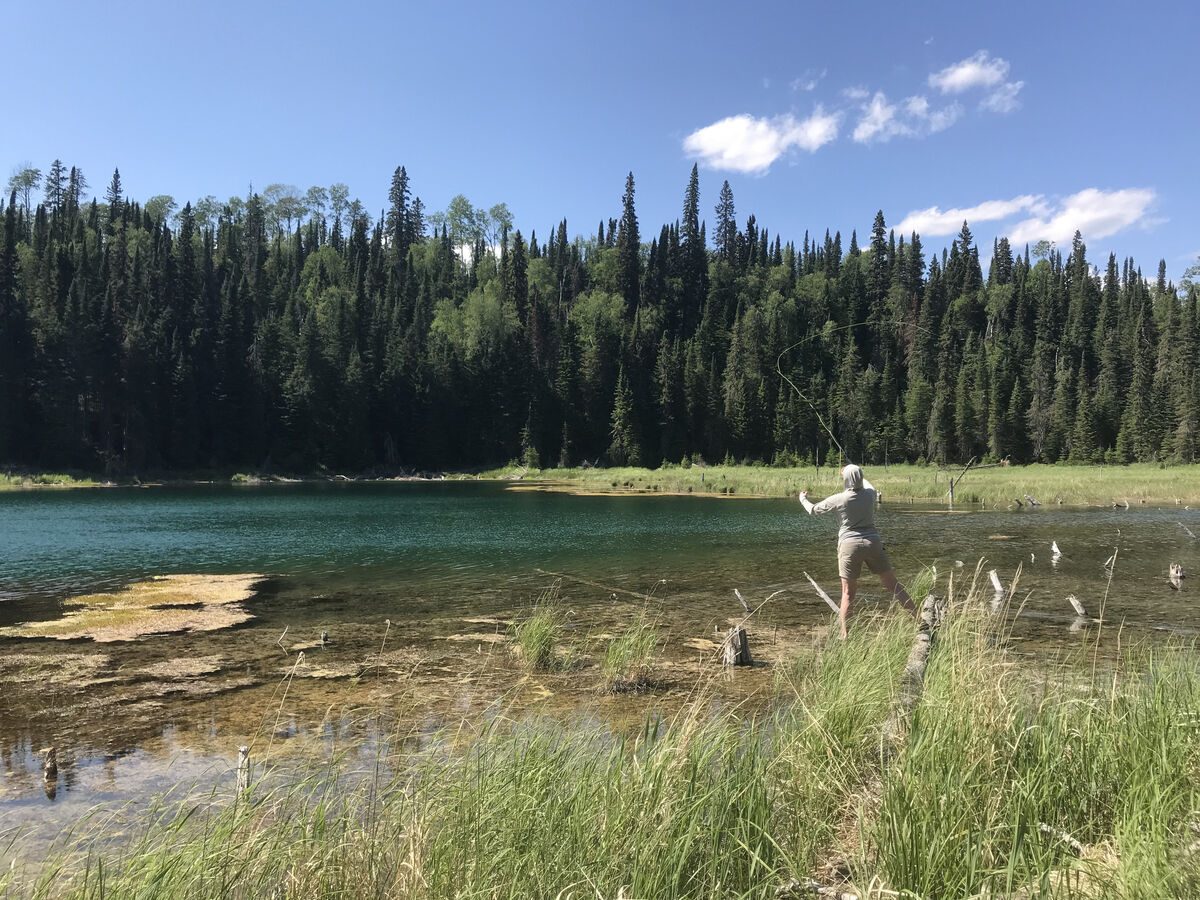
[{"x": 162, "y": 605}]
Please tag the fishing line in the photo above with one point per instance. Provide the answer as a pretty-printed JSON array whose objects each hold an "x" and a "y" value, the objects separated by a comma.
[{"x": 799, "y": 393}]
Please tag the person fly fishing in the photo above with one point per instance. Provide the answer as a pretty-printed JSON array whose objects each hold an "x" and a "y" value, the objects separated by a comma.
[{"x": 858, "y": 540}]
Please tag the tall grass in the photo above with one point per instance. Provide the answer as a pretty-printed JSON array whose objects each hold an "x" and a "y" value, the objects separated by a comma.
[
  {"x": 536, "y": 637},
  {"x": 629, "y": 659},
  {"x": 995, "y": 487},
  {"x": 1000, "y": 763}
]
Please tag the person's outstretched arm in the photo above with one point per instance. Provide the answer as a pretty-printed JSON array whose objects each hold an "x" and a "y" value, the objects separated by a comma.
[{"x": 815, "y": 509}]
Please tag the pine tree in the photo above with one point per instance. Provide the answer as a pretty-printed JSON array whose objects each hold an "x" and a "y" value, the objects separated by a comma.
[
  {"x": 694, "y": 257},
  {"x": 625, "y": 449},
  {"x": 727, "y": 230},
  {"x": 629, "y": 261}
]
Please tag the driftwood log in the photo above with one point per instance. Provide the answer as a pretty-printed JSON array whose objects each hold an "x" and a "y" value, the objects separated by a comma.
[{"x": 912, "y": 680}]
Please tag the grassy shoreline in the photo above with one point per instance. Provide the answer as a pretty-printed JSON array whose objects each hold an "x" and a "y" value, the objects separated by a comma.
[
  {"x": 995, "y": 487},
  {"x": 720, "y": 804}
]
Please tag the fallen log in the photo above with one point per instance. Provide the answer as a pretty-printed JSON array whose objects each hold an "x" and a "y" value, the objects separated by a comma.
[{"x": 912, "y": 680}]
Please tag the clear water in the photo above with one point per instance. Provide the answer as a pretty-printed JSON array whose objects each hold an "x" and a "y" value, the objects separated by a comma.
[{"x": 449, "y": 564}]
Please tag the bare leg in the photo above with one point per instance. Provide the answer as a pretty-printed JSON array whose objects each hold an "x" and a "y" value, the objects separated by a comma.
[
  {"x": 898, "y": 592},
  {"x": 849, "y": 586}
]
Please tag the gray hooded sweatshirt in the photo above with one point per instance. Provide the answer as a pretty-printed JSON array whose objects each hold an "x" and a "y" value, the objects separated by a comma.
[{"x": 855, "y": 505}]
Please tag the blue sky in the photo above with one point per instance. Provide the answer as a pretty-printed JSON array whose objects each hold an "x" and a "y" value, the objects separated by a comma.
[{"x": 1027, "y": 119}]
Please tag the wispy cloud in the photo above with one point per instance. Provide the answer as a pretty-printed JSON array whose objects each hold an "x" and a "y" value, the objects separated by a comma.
[
  {"x": 1093, "y": 212},
  {"x": 748, "y": 144},
  {"x": 1004, "y": 98},
  {"x": 933, "y": 120},
  {"x": 809, "y": 80},
  {"x": 975, "y": 71},
  {"x": 935, "y": 221},
  {"x": 878, "y": 122},
  {"x": 882, "y": 121}
]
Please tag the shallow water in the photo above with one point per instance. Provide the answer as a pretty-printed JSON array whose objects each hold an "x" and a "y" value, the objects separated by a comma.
[{"x": 450, "y": 565}]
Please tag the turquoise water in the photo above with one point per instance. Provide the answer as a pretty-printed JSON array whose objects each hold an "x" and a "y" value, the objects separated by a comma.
[{"x": 448, "y": 565}]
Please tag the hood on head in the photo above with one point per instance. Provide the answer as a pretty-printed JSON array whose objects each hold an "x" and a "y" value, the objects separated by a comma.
[{"x": 852, "y": 477}]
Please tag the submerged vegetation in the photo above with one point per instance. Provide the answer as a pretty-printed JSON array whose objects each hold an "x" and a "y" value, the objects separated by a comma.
[
  {"x": 1013, "y": 782},
  {"x": 161, "y": 605}
]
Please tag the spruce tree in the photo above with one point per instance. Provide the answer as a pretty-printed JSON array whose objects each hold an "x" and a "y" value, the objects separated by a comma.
[{"x": 629, "y": 260}]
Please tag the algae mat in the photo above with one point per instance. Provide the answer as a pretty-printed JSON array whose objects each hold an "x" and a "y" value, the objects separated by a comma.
[{"x": 166, "y": 604}]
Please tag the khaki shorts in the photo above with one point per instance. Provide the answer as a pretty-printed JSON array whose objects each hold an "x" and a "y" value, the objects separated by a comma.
[{"x": 854, "y": 551}]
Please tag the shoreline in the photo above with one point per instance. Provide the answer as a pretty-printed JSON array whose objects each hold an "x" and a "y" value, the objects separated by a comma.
[{"x": 1008, "y": 487}]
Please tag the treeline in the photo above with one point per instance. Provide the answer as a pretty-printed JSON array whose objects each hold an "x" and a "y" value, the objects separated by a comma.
[{"x": 282, "y": 333}]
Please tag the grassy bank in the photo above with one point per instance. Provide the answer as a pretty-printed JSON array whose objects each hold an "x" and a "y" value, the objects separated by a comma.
[
  {"x": 9, "y": 482},
  {"x": 1002, "y": 764},
  {"x": 995, "y": 487},
  {"x": 1137, "y": 484}
]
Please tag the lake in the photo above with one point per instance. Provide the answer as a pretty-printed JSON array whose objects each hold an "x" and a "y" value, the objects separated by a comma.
[{"x": 416, "y": 584}]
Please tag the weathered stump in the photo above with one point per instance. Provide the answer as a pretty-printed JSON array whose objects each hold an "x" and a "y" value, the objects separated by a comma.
[
  {"x": 736, "y": 648},
  {"x": 243, "y": 769}
]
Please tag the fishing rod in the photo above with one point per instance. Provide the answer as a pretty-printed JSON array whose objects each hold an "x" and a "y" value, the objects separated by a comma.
[{"x": 799, "y": 393}]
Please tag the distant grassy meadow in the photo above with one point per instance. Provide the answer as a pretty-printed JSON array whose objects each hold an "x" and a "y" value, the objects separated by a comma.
[
  {"x": 1012, "y": 782},
  {"x": 994, "y": 487}
]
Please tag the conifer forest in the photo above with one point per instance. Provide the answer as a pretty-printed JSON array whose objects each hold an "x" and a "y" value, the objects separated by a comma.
[{"x": 293, "y": 332}]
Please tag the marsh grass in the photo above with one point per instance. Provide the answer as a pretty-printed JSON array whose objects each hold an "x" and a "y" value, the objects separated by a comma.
[
  {"x": 535, "y": 639},
  {"x": 720, "y": 804},
  {"x": 994, "y": 487},
  {"x": 44, "y": 479},
  {"x": 628, "y": 662}
]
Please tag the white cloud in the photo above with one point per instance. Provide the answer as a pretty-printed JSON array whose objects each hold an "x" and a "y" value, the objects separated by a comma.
[
  {"x": 935, "y": 221},
  {"x": 932, "y": 120},
  {"x": 974, "y": 71},
  {"x": 856, "y": 93},
  {"x": 1004, "y": 98},
  {"x": 746, "y": 144},
  {"x": 1093, "y": 212},
  {"x": 882, "y": 121},
  {"x": 879, "y": 122},
  {"x": 808, "y": 81}
]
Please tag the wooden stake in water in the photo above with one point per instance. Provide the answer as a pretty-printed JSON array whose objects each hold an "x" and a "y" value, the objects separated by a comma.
[{"x": 243, "y": 769}]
